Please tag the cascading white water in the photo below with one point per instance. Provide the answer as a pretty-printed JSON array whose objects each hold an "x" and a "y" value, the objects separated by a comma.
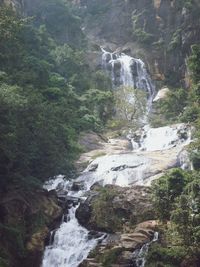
[
  {"x": 139, "y": 255},
  {"x": 166, "y": 137},
  {"x": 128, "y": 71},
  {"x": 71, "y": 243},
  {"x": 121, "y": 170}
]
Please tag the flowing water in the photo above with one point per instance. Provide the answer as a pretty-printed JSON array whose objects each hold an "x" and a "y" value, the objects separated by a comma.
[
  {"x": 139, "y": 255},
  {"x": 72, "y": 243},
  {"x": 129, "y": 72}
]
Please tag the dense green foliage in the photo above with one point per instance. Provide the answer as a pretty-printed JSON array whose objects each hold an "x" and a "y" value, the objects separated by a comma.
[
  {"x": 171, "y": 108},
  {"x": 165, "y": 256},
  {"x": 166, "y": 189},
  {"x": 176, "y": 195},
  {"x": 192, "y": 111},
  {"x": 176, "y": 199},
  {"x": 110, "y": 257},
  {"x": 182, "y": 105},
  {"x": 104, "y": 214},
  {"x": 48, "y": 94}
]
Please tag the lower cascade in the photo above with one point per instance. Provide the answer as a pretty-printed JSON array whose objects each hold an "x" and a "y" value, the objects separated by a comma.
[
  {"x": 70, "y": 245},
  {"x": 153, "y": 151},
  {"x": 139, "y": 255}
]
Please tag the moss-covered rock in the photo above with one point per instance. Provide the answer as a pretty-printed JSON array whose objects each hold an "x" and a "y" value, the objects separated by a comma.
[{"x": 113, "y": 208}]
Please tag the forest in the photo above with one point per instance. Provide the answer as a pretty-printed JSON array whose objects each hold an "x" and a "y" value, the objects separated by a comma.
[{"x": 48, "y": 95}]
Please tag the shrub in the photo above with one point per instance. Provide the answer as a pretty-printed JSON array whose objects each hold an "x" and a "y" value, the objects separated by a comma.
[
  {"x": 110, "y": 257},
  {"x": 162, "y": 256}
]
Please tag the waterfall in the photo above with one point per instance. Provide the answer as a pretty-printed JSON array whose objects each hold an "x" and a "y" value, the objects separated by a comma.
[
  {"x": 139, "y": 255},
  {"x": 128, "y": 71},
  {"x": 166, "y": 137},
  {"x": 71, "y": 244}
]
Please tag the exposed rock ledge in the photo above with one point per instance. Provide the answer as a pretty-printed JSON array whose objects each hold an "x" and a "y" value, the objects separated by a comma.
[
  {"x": 119, "y": 251},
  {"x": 120, "y": 211},
  {"x": 113, "y": 162}
]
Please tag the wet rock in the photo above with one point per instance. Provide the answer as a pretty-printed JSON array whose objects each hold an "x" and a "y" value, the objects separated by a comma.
[
  {"x": 95, "y": 234},
  {"x": 123, "y": 167},
  {"x": 184, "y": 160},
  {"x": 183, "y": 134},
  {"x": 93, "y": 167},
  {"x": 96, "y": 186},
  {"x": 83, "y": 213},
  {"x": 134, "y": 68},
  {"x": 119, "y": 168},
  {"x": 117, "y": 65},
  {"x": 72, "y": 200},
  {"x": 77, "y": 186},
  {"x": 38, "y": 212},
  {"x": 160, "y": 24}
]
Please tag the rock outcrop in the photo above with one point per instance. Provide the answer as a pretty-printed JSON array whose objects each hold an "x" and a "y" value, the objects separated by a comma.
[
  {"x": 160, "y": 32},
  {"x": 118, "y": 251},
  {"x": 162, "y": 94},
  {"x": 28, "y": 217},
  {"x": 114, "y": 208}
]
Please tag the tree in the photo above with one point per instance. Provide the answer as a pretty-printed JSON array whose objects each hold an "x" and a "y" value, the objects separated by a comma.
[
  {"x": 130, "y": 105},
  {"x": 166, "y": 190},
  {"x": 182, "y": 219},
  {"x": 194, "y": 63}
]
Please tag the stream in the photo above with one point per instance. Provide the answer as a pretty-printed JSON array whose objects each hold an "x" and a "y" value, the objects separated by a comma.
[{"x": 153, "y": 152}]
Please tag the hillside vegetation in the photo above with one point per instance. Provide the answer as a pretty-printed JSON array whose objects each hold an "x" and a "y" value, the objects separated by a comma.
[{"x": 48, "y": 95}]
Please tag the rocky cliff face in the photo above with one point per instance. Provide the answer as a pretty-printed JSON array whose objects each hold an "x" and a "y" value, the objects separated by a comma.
[
  {"x": 25, "y": 221},
  {"x": 160, "y": 32},
  {"x": 15, "y": 4}
]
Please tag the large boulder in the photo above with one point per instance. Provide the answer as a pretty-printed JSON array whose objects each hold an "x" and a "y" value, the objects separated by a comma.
[
  {"x": 113, "y": 208},
  {"x": 162, "y": 94}
]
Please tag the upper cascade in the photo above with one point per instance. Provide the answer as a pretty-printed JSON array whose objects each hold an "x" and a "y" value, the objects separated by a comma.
[{"x": 128, "y": 71}]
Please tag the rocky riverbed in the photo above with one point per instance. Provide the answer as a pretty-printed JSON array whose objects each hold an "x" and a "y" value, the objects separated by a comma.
[{"x": 119, "y": 201}]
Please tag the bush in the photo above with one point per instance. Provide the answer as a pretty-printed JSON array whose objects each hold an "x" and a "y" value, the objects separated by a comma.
[
  {"x": 104, "y": 214},
  {"x": 195, "y": 158},
  {"x": 163, "y": 256},
  {"x": 110, "y": 257},
  {"x": 142, "y": 36},
  {"x": 166, "y": 189}
]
